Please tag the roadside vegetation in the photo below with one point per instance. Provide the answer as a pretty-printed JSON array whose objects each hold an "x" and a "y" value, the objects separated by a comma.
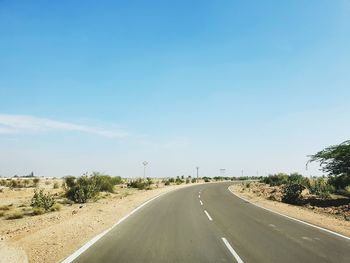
[
  {"x": 329, "y": 193},
  {"x": 49, "y": 194},
  {"x": 87, "y": 187},
  {"x": 140, "y": 184}
]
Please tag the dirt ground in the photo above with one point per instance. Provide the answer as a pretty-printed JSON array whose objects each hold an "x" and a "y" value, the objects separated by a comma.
[
  {"x": 53, "y": 236},
  {"x": 317, "y": 217}
]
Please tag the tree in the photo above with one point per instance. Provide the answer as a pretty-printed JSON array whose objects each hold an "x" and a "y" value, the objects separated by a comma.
[{"x": 335, "y": 160}]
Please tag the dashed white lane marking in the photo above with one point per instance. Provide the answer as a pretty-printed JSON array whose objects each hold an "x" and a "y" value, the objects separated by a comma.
[
  {"x": 233, "y": 252},
  {"x": 199, "y": 196},
  {"x": 201, "y": 202},
  {"x": 307, "y": 238},
  {"x": 209, "y": 217}
]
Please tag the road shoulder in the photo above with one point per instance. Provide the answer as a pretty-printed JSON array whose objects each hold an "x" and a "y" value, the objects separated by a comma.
[{"x": 324, "y": 221}]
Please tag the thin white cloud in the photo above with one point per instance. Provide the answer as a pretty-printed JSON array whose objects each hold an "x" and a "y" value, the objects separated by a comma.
[{"x": 18, "y": 124}]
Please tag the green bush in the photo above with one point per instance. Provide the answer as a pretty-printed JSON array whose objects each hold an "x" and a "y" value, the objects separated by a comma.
[
  {"x": 69, "y": 181},
  {"x": 340, "y": 181},
  {"x": 42, "y": 200},
  {"x": 3, "y": 182},
  {"x": 171, "y": 180},
  {"x": 291, "y": 193},
  {"x": 82, "y": 189},
  {"x": 275, "y": 179},
  {"x": 179, "y": 181},
  {"x": 187, "y": 181},
  {"x": 14, "y": 183},
  {"x": 140, "y": 184},
  {"x": 296, "y": 178},
  {"x": 26, "y": 182},
  {"x": 193, "y": 180},
  {"x": 320, "y": 187},
  {"x": 103, "y": 183},
  {"x": 206, "y": 179},
  {"x": 56, "y": 185},
  {"x": 167, "y": 182},
  {"x": 106, "y": 183},
  {"x": 36, "y": 181},
  {"x": 149, "y": 181}
]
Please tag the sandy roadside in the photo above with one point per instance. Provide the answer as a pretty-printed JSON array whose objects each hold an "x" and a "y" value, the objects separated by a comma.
[
  {"x": 54, "y": 236},
  {"x": 323, "y": 220}
]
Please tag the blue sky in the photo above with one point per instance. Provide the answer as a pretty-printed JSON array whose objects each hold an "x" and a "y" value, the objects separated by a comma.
[{"x": 252, "y": 85}]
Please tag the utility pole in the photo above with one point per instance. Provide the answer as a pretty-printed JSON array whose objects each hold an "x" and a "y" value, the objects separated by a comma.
[
  {"x": 144, "y": 169},
  {"x": 242, "y": 172},
  {"x": 197, "y": 172}
]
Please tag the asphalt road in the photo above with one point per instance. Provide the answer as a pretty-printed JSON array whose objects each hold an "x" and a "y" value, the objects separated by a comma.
[{"x": 207, "y": 223}]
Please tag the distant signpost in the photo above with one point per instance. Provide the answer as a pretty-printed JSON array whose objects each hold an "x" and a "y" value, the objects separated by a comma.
[{"x": 144, "y": 169}]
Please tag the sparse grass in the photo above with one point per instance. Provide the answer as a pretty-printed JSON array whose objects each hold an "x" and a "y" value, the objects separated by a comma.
[
  {"x": 55, "y": 207},
  {"x": 38, "y": 211},
  {"x": 5, "y": 207},
  {"x": 27, "y": 211},
  {"x": 65, "y": 201},
  {"x": 36, "y": 181},
  {"x": 3, "y": 182},
  {"x": 14, "y": 215}
]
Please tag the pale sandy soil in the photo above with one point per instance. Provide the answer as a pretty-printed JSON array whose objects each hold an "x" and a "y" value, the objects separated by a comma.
[
  {"x": 327, "y": 221},
  {"x": 53, "y": 236}
]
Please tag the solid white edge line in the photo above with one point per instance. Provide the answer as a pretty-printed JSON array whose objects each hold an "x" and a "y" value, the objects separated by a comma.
[
  {"x": 292, "y": 218},
  {"x": 77, "y": 253},
  {"x": 209, "y": 217},
  {"x": 233, "y": 252},
  {"x": 201, "y": 202}
]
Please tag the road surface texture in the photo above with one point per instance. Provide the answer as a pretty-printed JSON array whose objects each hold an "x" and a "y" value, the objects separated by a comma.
[{"x": 207, "y": 223}]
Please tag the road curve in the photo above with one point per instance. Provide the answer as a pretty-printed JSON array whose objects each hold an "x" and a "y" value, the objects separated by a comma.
[{"x": 207, "y": 223}]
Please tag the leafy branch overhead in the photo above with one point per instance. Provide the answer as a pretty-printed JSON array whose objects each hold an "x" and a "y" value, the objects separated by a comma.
[{"x": 335, "y": 160}]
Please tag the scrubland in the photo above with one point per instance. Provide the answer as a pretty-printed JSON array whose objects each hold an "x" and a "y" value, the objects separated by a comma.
[{"x": 47, "y": 219}]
